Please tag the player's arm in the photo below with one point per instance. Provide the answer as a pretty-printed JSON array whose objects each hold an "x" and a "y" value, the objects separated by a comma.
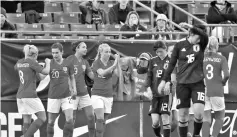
[
  {"x": 89, "y": 72},
  {"x": 225, "y": 70},
  {"x": 72, "y": 81},
  {"x": 104, "y": 72},
  {"x": 172, "y": 64},
  {"x": 41, "y": 76},
  {"x": 39, "y": 69}
]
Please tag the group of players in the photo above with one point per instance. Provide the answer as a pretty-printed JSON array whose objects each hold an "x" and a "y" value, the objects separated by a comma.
[{"x": 193, "y": 58}]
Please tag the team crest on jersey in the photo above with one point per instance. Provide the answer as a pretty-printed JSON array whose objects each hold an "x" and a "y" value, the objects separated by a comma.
[
  {"x": 83, "y": 67},
  {"x": 65, "y": 69},
  {"x": 166, "y": 64},
  {"x": 155, "y": 65},
  {"x": 196, "y": 48}
]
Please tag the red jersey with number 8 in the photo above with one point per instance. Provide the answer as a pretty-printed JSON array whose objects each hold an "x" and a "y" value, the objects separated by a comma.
[
  {"x": 213, "y": 66},
  {"x": 27, "y": 70}
]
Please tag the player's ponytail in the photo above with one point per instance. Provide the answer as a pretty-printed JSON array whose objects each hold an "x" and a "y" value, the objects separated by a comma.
[
  {"x": 100, "y": 49},
  {"x": 30, "y": 50}
]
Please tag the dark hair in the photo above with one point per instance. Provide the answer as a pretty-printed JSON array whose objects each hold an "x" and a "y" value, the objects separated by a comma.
[
  {"x": 57, "y": 46},
  {"x": 76, "y": 44},
  {"x": 199, "y": 30},
  {"x": 159, "y": 44}
]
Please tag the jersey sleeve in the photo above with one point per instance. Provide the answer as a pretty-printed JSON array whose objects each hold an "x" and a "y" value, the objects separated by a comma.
[
  {"x": 95, "y": 66},
  {"x": 36, "y": 66},
  {"x": 172, "y": 63},
  {"x": 224, "y": 66},
  {"x": 71, "y": 68}
]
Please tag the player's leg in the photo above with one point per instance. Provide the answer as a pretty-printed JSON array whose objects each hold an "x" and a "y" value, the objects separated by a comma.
[
  {"x": 174, "y": 114},
  {"x": 53, "y": 108},
  {"x": 183, "y": 93},
  {"x": 191, "y": 120},
  {"x": 165, "y": 115},
  {"x": 98, "y": 105},
  {"x": 26, "y": 117},
  {"x": 75, "y": 107},
  {"x": 198, "y": 98},
  {"x": 35, "y": 106},
  {"x": 86, "y": 105},
  {"x": 67, "y": 108},
  {"x": 207, "y": 118},
  {"x": 154, "y": 113},
  {"x": 218, "y": 104},
  {"x": 108, "y": 103}
]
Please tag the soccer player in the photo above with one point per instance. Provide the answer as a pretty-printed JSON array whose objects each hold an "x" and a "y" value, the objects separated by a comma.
[
  {"x": 213, "y": 66},
  {"x": 102, "y": 96},
  {"x": 190, "y": 84},
  {"x": 60, "y": 95},
  {"x": 28, "y": 102},
  {"x": 160, "y": 104},
  {"x": 83, "y": 100}
]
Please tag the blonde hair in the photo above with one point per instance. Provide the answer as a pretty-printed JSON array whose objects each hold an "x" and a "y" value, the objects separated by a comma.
[
  {"x": 128, "y": 17},
  {"x": 100, "y": 49},
  {"x": 30, "y": 50},
  {"x": 213, "y": 44}
]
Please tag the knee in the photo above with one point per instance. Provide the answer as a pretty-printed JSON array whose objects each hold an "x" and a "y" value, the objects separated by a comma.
[
  {"x": 155, "y": 122},
  {"x": 90, "y": 117},
  {"x": 69, "y": 121},
  {"x": 43, "y": 118},
  {"x": 99, "y": 125}
]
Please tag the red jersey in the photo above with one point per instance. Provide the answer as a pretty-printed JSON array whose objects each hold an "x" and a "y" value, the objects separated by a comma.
[
  {"x": 102, "y": 84},
  {"x": 213, "y": 65},
  {"x": 59, "y": 79},
  {"x": 80, "y": 69},
  {"x": 27, "y": 70},
  {"x": 156, "y": 71}
]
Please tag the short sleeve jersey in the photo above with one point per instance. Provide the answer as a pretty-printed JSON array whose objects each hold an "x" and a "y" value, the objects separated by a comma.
[
  {"x": 157, "y": 68},
  {"x": 80, "y": 69},
  {"x": 27, "y": 70},
  {"x": 213, "y": 65},
  {"x": 59, "y": 79},
  {"x": 102, "y": 84}
]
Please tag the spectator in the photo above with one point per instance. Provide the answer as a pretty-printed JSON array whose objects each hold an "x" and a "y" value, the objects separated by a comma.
[
  {"x": 5, "y": 25},
  {"x": 221, "y": 12},
  {"x": 119, "y": 12},
  {"x": 161, "y": 7},
  {"x": 31, "y": 10},
  {"x": 92, "y": 14},
  {"x": 162, "y": 26},
  {"x": 132, "y": 24}
]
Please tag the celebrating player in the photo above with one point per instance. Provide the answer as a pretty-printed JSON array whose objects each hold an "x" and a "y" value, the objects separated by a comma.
[
  {"x": 28, "y": 102},
  {"x": 213, "y": 66},
  {"x": 160, "y": 100},
  {"x": 59, "y": 96},
  {"x": 102, "y": 97},
  {"x": 83, "y": 100},
  {"x": 190, "y": 85}
]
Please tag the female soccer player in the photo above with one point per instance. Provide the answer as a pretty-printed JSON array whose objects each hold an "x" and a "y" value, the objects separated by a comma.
[
  {"x": 190, "y": 85},
  {"x": 59, "y": 96},
  {"x": 28, "y": 102},
  {"x": 102, "y": 96},
  {"x": 160, "y": 104},
  {"x": 213, "y": 66},
  {"x": 83, "y": 100}
]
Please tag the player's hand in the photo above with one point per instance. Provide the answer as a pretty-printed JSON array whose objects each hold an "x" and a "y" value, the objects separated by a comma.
[
  {"x": 74, "y": 94},
  {"x": 167, "y": 88},
  {"x": 161, "y": 86},
  {"x": 47, "y": 61}
]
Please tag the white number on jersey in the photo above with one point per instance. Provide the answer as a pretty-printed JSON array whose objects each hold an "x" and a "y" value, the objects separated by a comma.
[
  {"x": 159, "y": 73},
  {"x": 21, "y": 77},
  {"x": 201, "y": 96},
  {"x": 55, "y": 74},
  {"x": 191, "y": 58},
  {"x": 209, "y": 69},
  {"x": 75, "y": 70},
  {"x": 164, "y": 107}
]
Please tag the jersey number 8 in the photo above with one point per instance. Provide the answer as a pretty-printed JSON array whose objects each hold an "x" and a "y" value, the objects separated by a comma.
[
  {"x": 21, "y": 77},
  {"x": 209, "y": 69}
]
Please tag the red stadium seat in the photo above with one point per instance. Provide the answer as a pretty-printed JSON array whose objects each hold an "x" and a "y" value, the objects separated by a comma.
[
  {"x": 82, "y": 27},
  {"x": 71, "y": 7},
  {"x": 16, "y": 18},
  {"x": 56, "y": 27},
  {"x": 29, "y": 27},
  {"x": 52, "y": 7},
  {"x": 66, "y": 18},
  {"x": 75, "y": 37},
  {"x": 46, "y": 18},
  {"x": 25, "y": 37},
  {"x": 110, "y": 28},
  {"x": 48, "y": 37}
]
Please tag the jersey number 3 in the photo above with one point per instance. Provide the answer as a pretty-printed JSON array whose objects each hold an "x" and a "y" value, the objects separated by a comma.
[{"x": 209, "y": 69}]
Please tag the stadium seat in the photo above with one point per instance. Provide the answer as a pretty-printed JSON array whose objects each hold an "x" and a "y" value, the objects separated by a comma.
[
  {"x": 75, "y": 37},
  {"x": 66, "y": 18},
  {"x": 56, "y": 27},
  {"x": 16, "y": 18},
  {"x": 110, "y": 28},
  {"x": 29, "y": 27},
  {"x": 82, "y": 27},
  {"x": 46, "y": 18},
  {"x": 71, "y": 7},
  {"x": 48, "y": 37},
  {"x": 25, "y": 37},
  {"x": 52, "y": 7}
]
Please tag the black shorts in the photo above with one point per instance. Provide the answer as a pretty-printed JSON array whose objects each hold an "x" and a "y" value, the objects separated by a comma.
[
  {"x": 160, "y": 105},
  {"x": 194, "y": 91}
]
